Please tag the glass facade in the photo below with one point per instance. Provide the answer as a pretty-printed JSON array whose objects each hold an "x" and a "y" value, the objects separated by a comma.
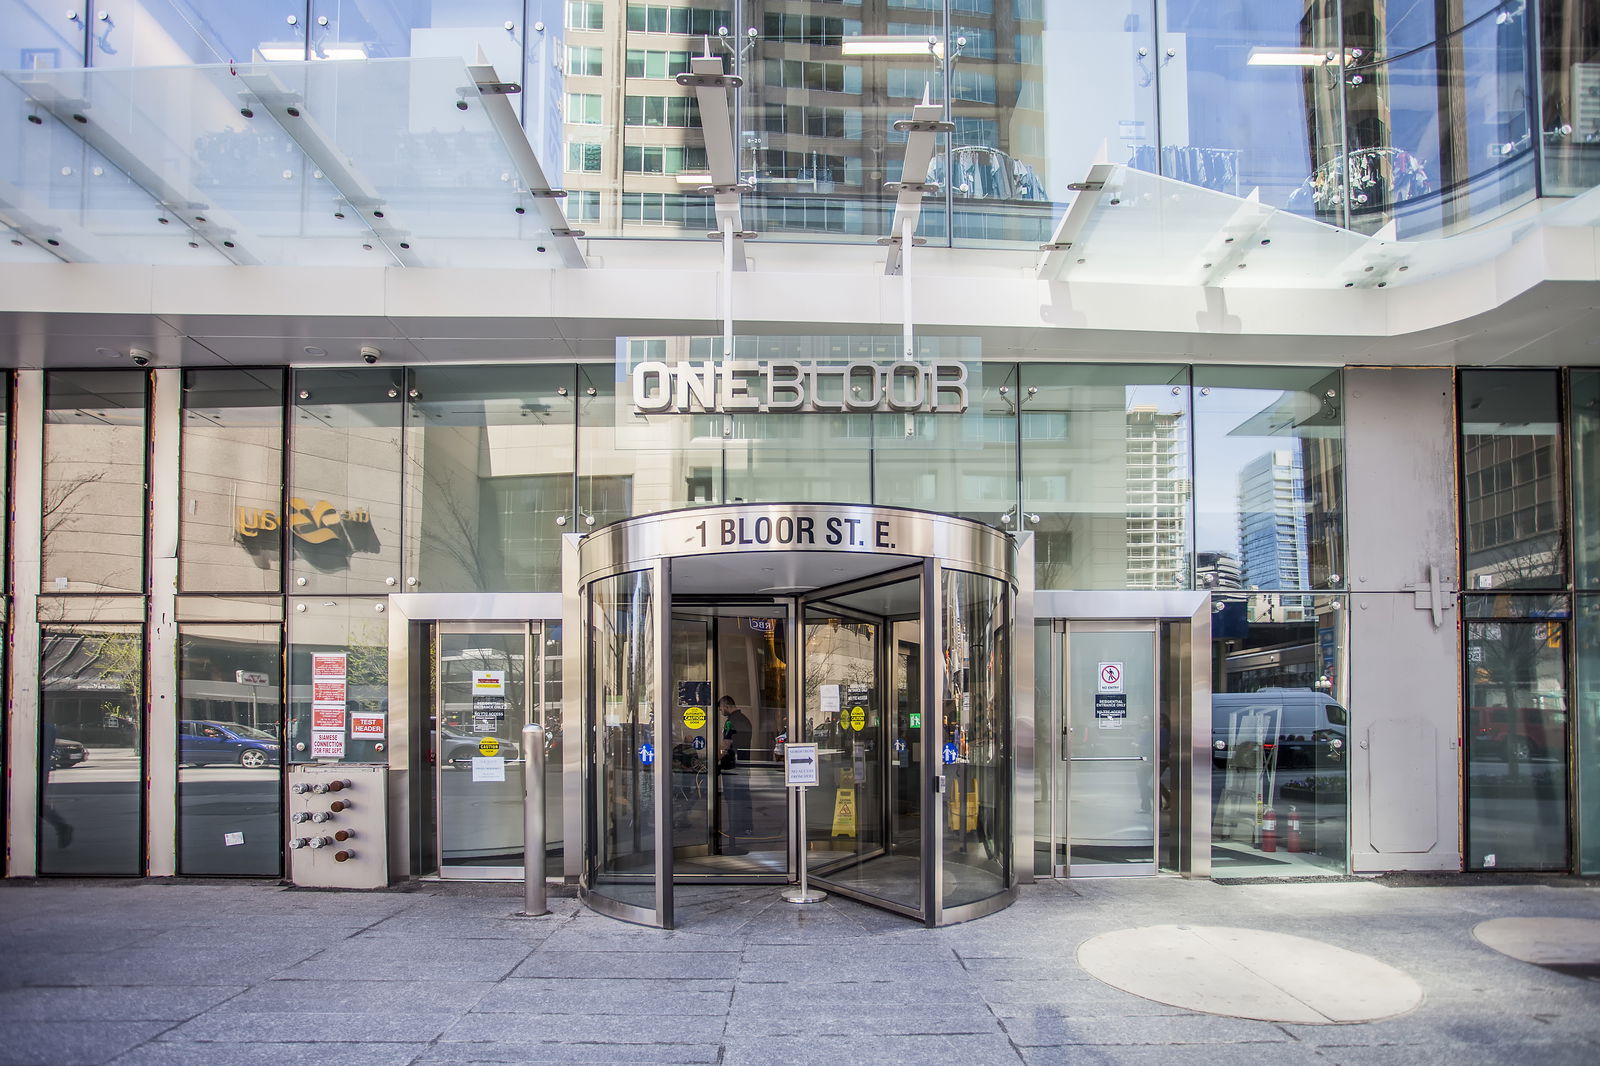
[
  {"x": 230, "y": 750},
  {"x": 94, "y": 481},
  {"x": 91, "y": 772},
  {"x": 1517, "y": 732},
  {"x": 231, "y": 526},
  {"x": 1281, "y": 735},
  {"x": 1269, "y": 479},
  {"x": 1133, "y": 477}
]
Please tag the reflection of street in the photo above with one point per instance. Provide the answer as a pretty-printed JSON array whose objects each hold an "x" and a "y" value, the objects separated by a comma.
[
  {"x": 1517, "y": 812},
  {"x": 102, "y": 764},
  {"x": 94, "y": 810}
]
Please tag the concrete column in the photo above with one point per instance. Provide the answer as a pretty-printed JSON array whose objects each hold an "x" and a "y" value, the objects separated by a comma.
[
  {"x": 161, "y": 662},
  {"x": 22, "y": 732}
]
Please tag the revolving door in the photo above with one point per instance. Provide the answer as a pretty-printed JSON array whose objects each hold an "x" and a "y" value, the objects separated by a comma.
[{"x": 717, "y": 635}]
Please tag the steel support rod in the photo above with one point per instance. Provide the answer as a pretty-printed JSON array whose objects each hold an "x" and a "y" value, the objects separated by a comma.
[{"x": 533, "y": 903}]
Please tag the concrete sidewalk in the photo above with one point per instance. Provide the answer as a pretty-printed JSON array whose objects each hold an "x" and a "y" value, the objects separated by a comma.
[{"x": 146, "y": 972}]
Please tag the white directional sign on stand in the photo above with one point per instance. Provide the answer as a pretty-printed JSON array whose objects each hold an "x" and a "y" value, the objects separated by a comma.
[
  {"x": 799, "y": 765},
  {"x": 800, "y": 771}
]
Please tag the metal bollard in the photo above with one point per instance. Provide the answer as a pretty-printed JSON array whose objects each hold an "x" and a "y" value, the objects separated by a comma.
[{"x": 533, "y": 903}]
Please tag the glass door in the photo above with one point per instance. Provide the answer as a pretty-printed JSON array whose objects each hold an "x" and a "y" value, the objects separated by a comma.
[
  {"x": 860, "y": 702},
  {"x": 482, "y": 682},
  {"x": 1110, "y": 745},
  {"x": 627, "y": 779},
  {"x": 730, "y": 810}
]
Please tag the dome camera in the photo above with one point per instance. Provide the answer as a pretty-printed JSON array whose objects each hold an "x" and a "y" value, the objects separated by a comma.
[
  {"x": 139, "y": 356},
  {"x": 370, "y": 355}
]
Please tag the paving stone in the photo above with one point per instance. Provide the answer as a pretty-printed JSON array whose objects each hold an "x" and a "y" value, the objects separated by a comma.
[
  {"x": 247, "y": 1027},
  {"x": 138, "y": 1003},
  {"x": 70, "y": 1043},
  {"x": 630, "y": 965},
  {"x": 276, "y": 1054}
]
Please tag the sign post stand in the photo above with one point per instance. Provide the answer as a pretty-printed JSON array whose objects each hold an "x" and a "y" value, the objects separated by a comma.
[{"x": 800, "y": 770}]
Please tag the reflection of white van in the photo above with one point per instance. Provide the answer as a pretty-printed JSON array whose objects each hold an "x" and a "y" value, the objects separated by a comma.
[{"x": 1288, "y": 727}]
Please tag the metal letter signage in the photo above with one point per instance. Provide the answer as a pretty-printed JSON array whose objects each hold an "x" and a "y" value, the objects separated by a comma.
[{"x": 787, "y": 385}]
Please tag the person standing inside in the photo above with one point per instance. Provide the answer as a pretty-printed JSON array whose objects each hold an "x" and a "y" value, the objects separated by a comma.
[{"x": 737, "y": 817}]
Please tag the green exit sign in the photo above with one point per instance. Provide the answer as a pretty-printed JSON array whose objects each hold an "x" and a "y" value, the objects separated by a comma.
[{"x": 916, "y": 719}]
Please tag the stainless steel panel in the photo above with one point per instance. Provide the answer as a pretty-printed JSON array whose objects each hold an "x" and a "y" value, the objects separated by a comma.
[
  {"x": 800, "y": 527},
  {"x": 1405, "y": 794}
]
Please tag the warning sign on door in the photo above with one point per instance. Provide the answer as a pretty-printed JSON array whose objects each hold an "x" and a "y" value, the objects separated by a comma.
[{"x": 1110, "y": 677}]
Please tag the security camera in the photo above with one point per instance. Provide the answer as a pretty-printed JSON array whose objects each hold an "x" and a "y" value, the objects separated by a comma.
[
  {"x": 370, "y": 355},
  {"x": 140, "y": 360},
  {"x": 139, "y": 356}
]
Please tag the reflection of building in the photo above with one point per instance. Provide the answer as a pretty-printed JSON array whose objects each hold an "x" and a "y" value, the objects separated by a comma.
[
  {"x": 1158, "y": 500},
  {"x": 1218, "y": 571},
  {"x": 1272, "y": 524}
]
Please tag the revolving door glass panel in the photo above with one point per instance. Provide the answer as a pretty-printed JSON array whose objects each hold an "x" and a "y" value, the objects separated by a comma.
[
  {"x": 975, "y": 708},
  {"x": 861, "y": 693},
  {"x": 626, "y": 875},
  {"x": 730, "y": 811}
]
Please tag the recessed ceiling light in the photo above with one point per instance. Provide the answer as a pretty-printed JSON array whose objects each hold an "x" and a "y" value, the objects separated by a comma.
[
  {"x": 312, "y": 349},
  {"x": 107, "y": 352}
]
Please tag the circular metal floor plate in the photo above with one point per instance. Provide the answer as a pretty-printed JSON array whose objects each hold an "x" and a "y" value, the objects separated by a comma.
[
  {"x": 1559, "y": 942},
  {"x": 1248, "y": 973}
]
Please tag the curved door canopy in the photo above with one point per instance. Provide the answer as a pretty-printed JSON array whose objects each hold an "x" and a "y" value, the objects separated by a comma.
[{"x": 887, "y": 643}]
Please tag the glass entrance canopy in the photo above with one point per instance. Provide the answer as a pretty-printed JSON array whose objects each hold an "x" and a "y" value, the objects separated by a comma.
[
  {"x": 395, "y": 162},
  {"x": 421, "y": 162}
]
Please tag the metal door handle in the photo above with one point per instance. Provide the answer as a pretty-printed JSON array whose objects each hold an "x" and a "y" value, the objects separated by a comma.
[{"x": 1109, "y": 758}]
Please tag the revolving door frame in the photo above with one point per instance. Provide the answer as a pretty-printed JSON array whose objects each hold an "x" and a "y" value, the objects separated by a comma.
[{"x": 920, "y": 540}]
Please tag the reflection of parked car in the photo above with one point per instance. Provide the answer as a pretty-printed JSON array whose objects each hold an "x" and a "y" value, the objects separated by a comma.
[
  {"x": 1540, "y": 731},
  {"x": 461, "y": 748},
  {"x": 210, "y": 743},
  {"x": 1299, "y": 725},
  {"x": 67, "y": 754}
]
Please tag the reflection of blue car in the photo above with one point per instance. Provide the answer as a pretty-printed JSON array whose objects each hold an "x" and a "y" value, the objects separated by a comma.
[{"x": 206, "y": 743}]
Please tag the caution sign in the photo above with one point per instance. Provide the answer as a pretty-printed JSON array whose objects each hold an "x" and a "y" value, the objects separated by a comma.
[
  {"x": 489, "y": 747},
  {"x": 844, "y": 812},
  {"x": 856, "y": 717},
  {"x": 694, "y": 717},
  {"x": 964, "y": 798}
]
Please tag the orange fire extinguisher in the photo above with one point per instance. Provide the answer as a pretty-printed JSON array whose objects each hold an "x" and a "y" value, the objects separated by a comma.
[
  {"x": 1269, "y": 830},
  {"x": 1295, "y": 842}
]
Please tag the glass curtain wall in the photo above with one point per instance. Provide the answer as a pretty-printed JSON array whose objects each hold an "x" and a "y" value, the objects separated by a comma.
[
  {"x": 1568, "y": 129},
  {"x": 231, "y": 525},
  {"x": 91, "y": 770},
  {"x": 94, "y": 481},
  {"x": 343, "y": 513},
  {"x": 1105, "y": 467},
  {"x": 1514, "y": 504},
  {"x": 1280, "y": 735},
  {"x": 1269, "y": 539},
  {"x": 1584, "y": 426},
  {"x": 230, "y": 750},
  {"x": 489, "y": 477}
]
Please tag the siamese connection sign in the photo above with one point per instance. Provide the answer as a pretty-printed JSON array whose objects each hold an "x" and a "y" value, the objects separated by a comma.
[{"x": 789, "y": 385}]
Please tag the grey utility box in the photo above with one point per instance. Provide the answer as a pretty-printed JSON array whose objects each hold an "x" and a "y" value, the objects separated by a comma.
[{"x": 337, "y": 826}]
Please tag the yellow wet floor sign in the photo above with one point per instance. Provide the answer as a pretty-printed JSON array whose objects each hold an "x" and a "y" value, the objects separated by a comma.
[
  {"x": 970, "y": 795},
  {"x": 844, "y": 812}
]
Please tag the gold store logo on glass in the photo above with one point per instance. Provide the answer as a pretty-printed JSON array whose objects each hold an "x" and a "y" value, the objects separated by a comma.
[{"x": 316, "y": 523}]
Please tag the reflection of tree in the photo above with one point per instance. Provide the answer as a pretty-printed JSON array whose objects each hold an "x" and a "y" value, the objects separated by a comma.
[
  {"x": 366, "y": 667},
  {"x": 455, "y": 534},
  {"x": 63, "y": 500}
]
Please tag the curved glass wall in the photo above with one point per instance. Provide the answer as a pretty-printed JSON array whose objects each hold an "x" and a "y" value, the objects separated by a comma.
[{"x": 623, "y": 854}]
